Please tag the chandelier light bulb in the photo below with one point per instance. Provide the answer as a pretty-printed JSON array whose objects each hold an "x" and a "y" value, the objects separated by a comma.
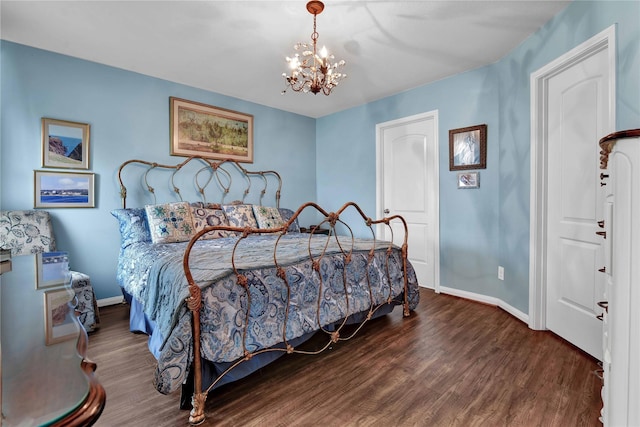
[{"x": 294, "y": 63}]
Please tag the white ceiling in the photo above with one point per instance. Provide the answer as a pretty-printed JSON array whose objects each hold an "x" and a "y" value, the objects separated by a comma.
[{"x": 237, "y": 48}]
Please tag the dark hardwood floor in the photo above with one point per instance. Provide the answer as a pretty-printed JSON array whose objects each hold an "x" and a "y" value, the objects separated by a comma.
[{"x": 454, "y": 362}]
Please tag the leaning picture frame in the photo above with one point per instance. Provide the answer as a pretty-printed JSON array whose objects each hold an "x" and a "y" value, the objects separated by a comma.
[
  {"x": 59, "y": 316},
  {"x": 65, "y": 144},
  {"x": 468, "y": 179},
  {"x": 52, "y": 269},
  {"x": 203, "y": 130},
  {"x": 63, "y": 189},
  {"x": 468, "y": 148}
]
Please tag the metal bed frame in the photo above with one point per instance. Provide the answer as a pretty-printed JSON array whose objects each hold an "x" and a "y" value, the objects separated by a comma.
[{"x": 219, "y": 173}]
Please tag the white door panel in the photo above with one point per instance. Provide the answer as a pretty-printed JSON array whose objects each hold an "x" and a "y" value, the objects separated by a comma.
[
  {"x": 578, "y": 282},
  {"x": 408, "y": 186},
  {"x": 577, "y": 112},
  {"x": 405, "y": 173}
]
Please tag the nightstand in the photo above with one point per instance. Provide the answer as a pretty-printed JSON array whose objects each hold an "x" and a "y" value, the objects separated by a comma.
[{"x": 315, "y": 229}]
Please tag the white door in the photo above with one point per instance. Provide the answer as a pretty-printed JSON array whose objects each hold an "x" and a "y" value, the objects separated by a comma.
[
  {"x": 407, "y": 181},
  {"x": 576, "y": 116}
]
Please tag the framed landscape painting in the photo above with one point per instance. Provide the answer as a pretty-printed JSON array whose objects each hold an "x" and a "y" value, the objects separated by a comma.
[
  {"x": 65, "y": 144},
  {"x": 215, "y": 133},
  {"x": 63, "y": 189}
]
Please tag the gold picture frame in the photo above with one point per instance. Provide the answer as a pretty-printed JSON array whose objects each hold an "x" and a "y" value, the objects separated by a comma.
[
  {"x": 65, "y": 144},
  {"x": 54, "y": 189},
  {"x": 468, "y": 148},
  {"x": 60, "y": 322},
  {"x": 203, "y": 130}
]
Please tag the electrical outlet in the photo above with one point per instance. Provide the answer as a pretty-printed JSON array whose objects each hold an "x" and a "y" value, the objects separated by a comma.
[{"x": 500, "y": 272}]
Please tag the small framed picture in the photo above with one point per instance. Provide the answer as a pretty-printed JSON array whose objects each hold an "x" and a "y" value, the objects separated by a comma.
[
  {"x": 468, "y": 179},
  {"x": 52, "y": 269},
  {"x": 212, "y": 132},
  {"x": 65, "y": 144},
  {"x": 63, "y": 189},
  {"x": 468, "y": 148},
  {"x": 60, "y": 323}
]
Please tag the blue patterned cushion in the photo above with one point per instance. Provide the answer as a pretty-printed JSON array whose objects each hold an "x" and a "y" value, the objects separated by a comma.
[
  {"x": 133, "y": 226},
  {"x": 26, "y": 232},
  {"x": 240, "y": 215},
  {"x": 170, "y": 222},
  {"x": 203, "y": 217},
  {"x": 286, "y": 215},
  {"x": 267, "y": 217}
]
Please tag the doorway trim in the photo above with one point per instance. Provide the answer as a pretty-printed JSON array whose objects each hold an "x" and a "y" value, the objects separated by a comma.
[
  {"x": 538, "y": 190},
  {"x": 429, "y": 115}
]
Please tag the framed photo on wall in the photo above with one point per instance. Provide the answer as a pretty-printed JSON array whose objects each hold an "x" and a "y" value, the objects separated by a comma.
[
  {"x": 65, "y": 144},
  {"x": 468, "y": 148},
  {"x": 59, "y": 320},
  {"x": 468, "y": 179},
  {"x": 63, "y": 189},
  {"x": 215, "y": 133},
  {"x": 52, "y": 269}
]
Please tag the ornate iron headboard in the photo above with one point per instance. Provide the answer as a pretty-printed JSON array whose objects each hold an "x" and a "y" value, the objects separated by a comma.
[{"x": 220, "y": 173}]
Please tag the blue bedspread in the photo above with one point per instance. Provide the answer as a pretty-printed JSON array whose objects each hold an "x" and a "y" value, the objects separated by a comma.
[{"x": 153, "y": 274}]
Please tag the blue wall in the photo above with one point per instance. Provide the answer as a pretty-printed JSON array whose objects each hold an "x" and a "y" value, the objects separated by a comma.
[
  {"x": 129, "y": 118},
  {"x": 484, "y": 228},
  {"x": 335, "y": 155}
]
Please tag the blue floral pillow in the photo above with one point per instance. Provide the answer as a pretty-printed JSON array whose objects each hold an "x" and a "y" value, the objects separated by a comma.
[
  {"x": 204, "y": 217},
  {"x": 286, "y": 215},
  {"x": 240, "y": 216},
  {"x": 133, "y": 226},
  {"x": 170, "y": 222}
]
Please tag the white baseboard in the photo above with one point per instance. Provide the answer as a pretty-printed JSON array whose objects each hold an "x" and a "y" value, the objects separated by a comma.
[
  {"x": 443, "y": 289},
  {"x": 486, "y": 300},
  {"x": 110, "y": 301}
]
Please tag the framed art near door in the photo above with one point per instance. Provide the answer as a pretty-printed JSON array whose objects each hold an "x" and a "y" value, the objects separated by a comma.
[
  {"x": 469, "y": 179},
  {"x": 468, "y": 148}
]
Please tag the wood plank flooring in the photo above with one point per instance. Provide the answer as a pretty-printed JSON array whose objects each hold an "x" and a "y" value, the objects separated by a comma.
[{"x": 454, "y": 362}]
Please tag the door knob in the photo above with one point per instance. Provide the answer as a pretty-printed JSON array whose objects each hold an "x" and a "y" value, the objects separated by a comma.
[
  {"x": 387, "y": 211},
  {"x": 601, "y": 224},
  {"x": 604, "y": 175},
  {"x": 602, "y": 233}
]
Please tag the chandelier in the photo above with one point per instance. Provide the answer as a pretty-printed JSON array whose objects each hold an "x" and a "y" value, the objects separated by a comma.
[{"x": 313, "y": 71}]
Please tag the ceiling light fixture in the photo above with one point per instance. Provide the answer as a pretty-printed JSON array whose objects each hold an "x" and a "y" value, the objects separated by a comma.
[{"x": 313, "y": 72}]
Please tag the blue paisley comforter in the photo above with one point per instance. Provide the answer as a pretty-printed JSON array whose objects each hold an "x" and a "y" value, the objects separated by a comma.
[{"x": 153, "y": 274}]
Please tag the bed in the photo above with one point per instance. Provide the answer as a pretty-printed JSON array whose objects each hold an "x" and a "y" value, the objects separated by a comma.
[{"x": 224, "y": 287}]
